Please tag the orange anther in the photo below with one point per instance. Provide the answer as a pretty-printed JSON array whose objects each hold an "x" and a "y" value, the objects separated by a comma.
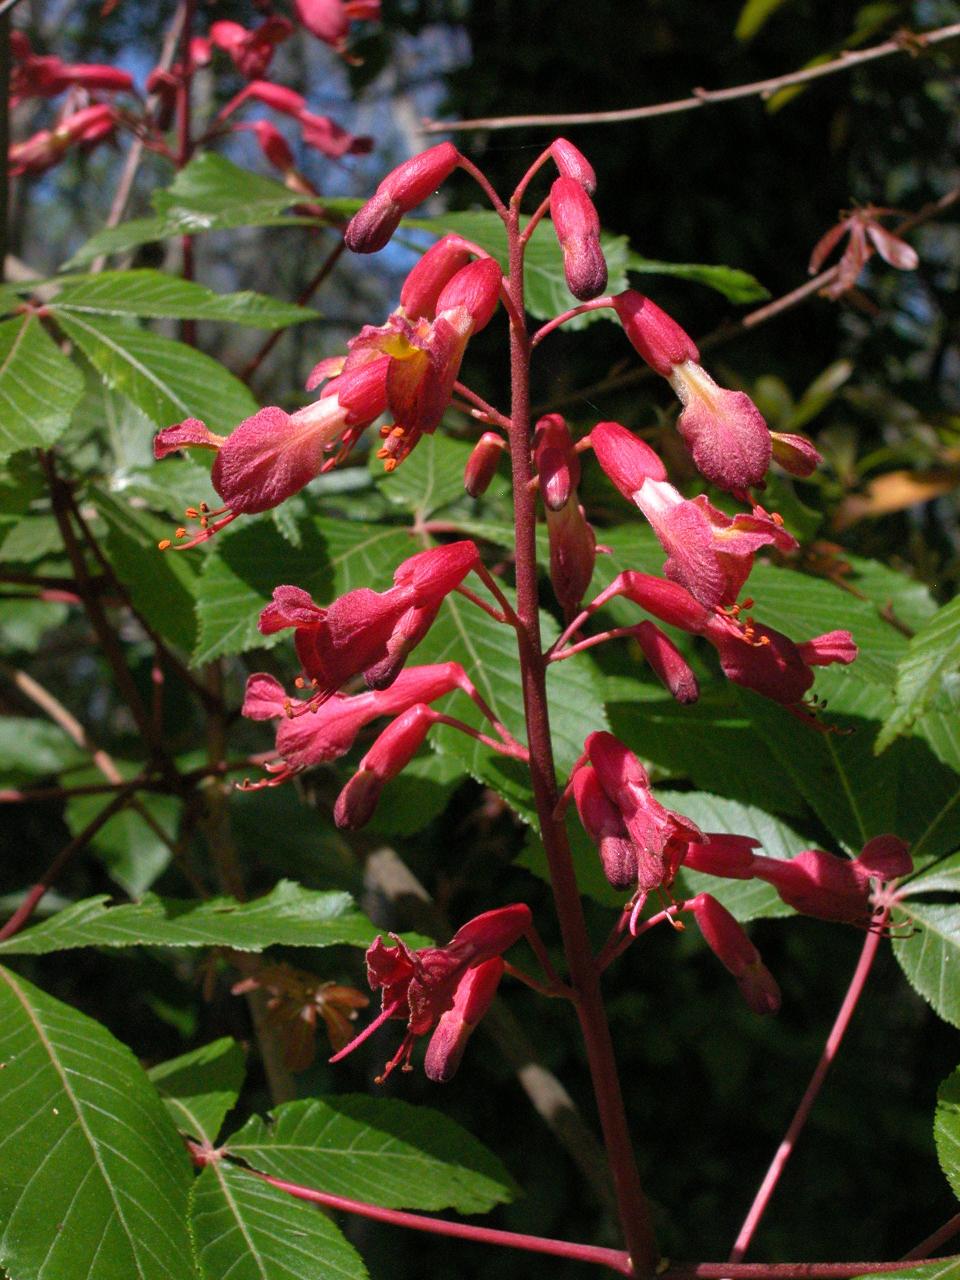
[
  {"x": 204, "y": 506},
  {"x": 164, "y": 544},
  {"x": 300, "y": 682},
  {"x": 383, "y": 453},
  {"x": 385, "y": 431},
  {"x": 192, "y": 513},
  {"x": 181, "y": 533},
  {"x": 390, "y": 465},
  {"x": 397, "y": 433}
]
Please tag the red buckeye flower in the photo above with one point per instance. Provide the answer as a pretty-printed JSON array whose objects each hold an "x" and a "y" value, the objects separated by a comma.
[
  {"x": 401, "y": 190},
  {"x": 730, "y": 944}
]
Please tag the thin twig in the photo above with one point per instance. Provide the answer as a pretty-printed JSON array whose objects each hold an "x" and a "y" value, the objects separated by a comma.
[
  {"x": 785, "y": 1150},
  {"x": 902, "y": 42},
  {"x": 939, "y": 1237}
]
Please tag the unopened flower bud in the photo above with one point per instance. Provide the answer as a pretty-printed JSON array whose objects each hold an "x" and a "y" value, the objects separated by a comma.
[
  {"x": 730, "y": 944},
  {"x": 556, "y": 460},
  {"x": 273, "y": 144},
  {"x": 401, "y": 190},
  {"x": 482, "y": 464},
  {"x": 573, "y": 554},
  {"x": 474, "y": 995},
  {"x": 795, "y": 454},
  {"x": 668, "y": 662},
  {"x": 390, "y": 754},
  {"x": 476, "y": 288},
  {"x": 627, "y": 460},
  {"x": 431, "y": 275},
  {"x": 655, "y": 335},
  {"x": 578, "y": 231},
  {"x": 604, "y": 824},
  {"x": 572, "y": 163}
]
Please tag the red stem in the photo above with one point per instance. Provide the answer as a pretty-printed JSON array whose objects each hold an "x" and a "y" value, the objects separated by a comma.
[
  {"x": 785, "y": 1150},
  {"x": 634, "y": 1213},
  {"x": 785, "y": 1270},
  {"x": 939, "y": 1237},
  {"x": 188, "y": 328},
  {"x": 595, "y": 305},
  {"x": 614, "y": 1259}
]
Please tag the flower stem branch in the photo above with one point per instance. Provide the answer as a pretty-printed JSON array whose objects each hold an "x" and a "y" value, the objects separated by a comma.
[
  {"x": 614, "y": 1259},
  {"x": 784, "y": 1270},
  {"x": 596, "y": 304},
  {"x": 615, "y": 634},
  {"x": 493, "y": 416},
  {"x": 939, "y": 1237},
  {"x": 902, "y": 42},
  {"x": 785, "y": 1150},
  {"x": 515, "y": 752}
]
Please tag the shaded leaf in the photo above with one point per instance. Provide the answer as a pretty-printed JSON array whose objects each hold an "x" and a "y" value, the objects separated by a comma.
[
  {"x": 132, "y": 851},
  {"x": 167, "y": 380},
  {"x": 95, "y": 1179},
  {"x": 946, "y": 1129},
  {"x": 199, "y": 1088},
  {"x": 288, "y": 914},
  {"x": 381, "y": 1150},
  {"x": 248, "y": 1230},
  {"x": 933, "y": 653},
  {"x": 39, "y": 386},
  {"x": 433, "y": 481},
  {"x": 930, "y": 958},
  {"x": 30, "y": 748},
  {"x": 753, "y": 15}
]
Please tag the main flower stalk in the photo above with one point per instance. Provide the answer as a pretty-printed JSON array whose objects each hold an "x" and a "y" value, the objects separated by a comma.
[{"x": 584, "y": 975}]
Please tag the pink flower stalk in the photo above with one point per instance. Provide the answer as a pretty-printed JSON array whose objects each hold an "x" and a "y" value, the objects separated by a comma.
[
  {"x": 657, "y": 836},
  {"x": 372, "y": 226},
  {"x": 627, "y": 460},
  {"x": 368, "y": 631},
  {"x": 421, "y": 986},
  {"x": 829, "y": 887},
  {"x": 572, "y": 163},
  {"x": 424, "y": 356},
  {"x": 472, "y": 999},
  {"x": 251, "y": 51},
  {"x": 482, "y": 464},
  {"x": 331, "y": 730},
  {"x": 708, "y": 552},
  {"x": 273, "y": 454},
  {"x": 276, "y": 96},
  {"x": 723, "y": 430},
  {"x": 577, "y": 226},
  {"x": 389, "y": 756},
  {"x": 45, "y": 76},
  {"x": 730, "y": 944},
  {"x": 329, "y": 20},
  {"x": 428, "y": 279},
  {"x": 751, "y": 655},
  {"x": 795, "y": 454},
  {"x": 668, "y": 663},
  {"x": 46, "y": 148}
]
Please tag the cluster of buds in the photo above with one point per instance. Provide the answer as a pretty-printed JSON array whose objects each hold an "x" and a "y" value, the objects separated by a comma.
[{"x": 445, "y": 989}]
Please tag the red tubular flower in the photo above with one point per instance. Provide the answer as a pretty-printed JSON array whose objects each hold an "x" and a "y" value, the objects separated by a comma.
[
  {"x": 325, "y": 135},
  {"x": 482, "y": 464},
  {"x": 251, "y": 51},
  {"x": 277, "y": 96},
  {"x": 390, "y": 754},
  {"x": 421, "y": 986},
  {"x": 708, "y": 552},
  {"x": 273, "y": 454},
  {"x": 829, "y": 887},
  {"x": 273, "y": 144},
  {"x": 47, "y": 148},
  {"x": 577, "y": 226},
  {"x": 573, "y": 554},
  {"x": 625, "y": 459},
  {"x": 723, "y": 430},
  {"x": 329, "y": 20},
  {"x": 330, "y": 731},
  {"x": 730, "y": 944},
  {"x": 428, "y": 279},
  {"x": 572, "y": 163},
  {"x": 669, "y": 664},
  {"x": 401, "y": 190},
  {"x": 658, "y": 835},
  {"x": 368, "y": 631},
  {"x": 472, "y": 999},
  {"x": 731, "y": 857},
  {"x": 44, "y": 76}
]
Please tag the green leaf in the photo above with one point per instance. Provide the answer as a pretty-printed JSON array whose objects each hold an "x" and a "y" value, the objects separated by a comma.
[
  {"x": 930, "y": 958},
  {"x": 95, "y": 1178},
  {"x": 161, "y": 585},
  {"x": 248, "y": 1230},
  {"x": 288, "y": 915},
  {"x": 153, "y": 293},
  {"x": 30, "y": 748},
  {"x": 545, "y": 285},
  {"x": 380, "y": 1150},
  {"x": 39, "y": 386},
  {"x": 199, "y": 1088},
  {"x": 819, "y": 394},
  {"x": 942, "y": 877},
  {"x": 735, "y": 285},
  {"x": 753, "y": 15},
  {"x": 934, "y": 652},
  {"x": 132, "y": 851},
  {"x": 946, "y": 1129},
  {"x": 947, "y": 1269},
  {"x": 745, "y": 899},
  {"x": 433, "y": 481},
  {"x": 239, "y": 577},
  {"x": 167, "y": 380}
]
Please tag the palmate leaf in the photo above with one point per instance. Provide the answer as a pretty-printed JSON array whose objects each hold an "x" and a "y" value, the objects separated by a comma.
[
  {"x": 167, "y": 380},
  {"x": 946, "y": 1129},
  {"x": 248, "y": 1230},
  {"x": 288, "y": 915},
  {"x": 95, "y": 1179},
  {"x": 39, "y": 386},
  {"x": 199, "y": 1088},
  {"x": 380, "y": 1150},
  {"x": 144, "y": 292}
]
